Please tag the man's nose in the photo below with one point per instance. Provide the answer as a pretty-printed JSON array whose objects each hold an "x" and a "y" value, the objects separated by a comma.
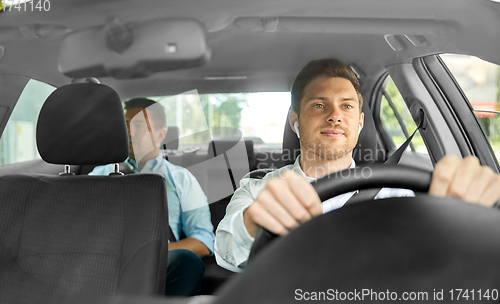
[
  {"x": 132, "y": 137},
  {"x": 334, "y": 115}
]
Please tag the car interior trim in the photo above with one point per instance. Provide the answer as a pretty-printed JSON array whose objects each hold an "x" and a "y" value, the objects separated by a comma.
[{"x": 383, "y": 139}]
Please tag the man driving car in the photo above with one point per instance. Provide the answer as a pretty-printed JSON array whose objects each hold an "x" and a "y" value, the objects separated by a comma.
[
  {"x": 188, "y": 210},
  {"x": 326, "y": 116}
]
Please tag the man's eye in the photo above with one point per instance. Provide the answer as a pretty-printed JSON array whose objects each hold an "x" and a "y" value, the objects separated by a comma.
[
  {"x": 348, "y": 106},
  {"x": 319, "y": 106}
]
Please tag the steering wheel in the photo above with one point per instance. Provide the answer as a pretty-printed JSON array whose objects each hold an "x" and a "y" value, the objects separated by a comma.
[{"x": 360, "y": 178}]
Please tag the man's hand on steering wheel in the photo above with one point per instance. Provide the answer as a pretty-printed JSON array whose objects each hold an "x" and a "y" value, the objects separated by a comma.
[
  {"x": 465, "y": 179},
  {"x": 283, "y": 204}
]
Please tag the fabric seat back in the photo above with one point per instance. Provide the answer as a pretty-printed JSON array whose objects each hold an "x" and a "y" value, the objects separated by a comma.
[{"x": 67, "y": 235}]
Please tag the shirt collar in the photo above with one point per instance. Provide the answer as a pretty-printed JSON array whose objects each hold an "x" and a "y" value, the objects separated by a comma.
[
  {"x": 150, "y": 166},
  {"x": 296, "y": 167}
]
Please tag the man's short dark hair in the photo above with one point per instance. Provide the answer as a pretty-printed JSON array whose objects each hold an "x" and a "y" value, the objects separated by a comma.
[
  {"x": 329, "y": 67},
  {"x": 158, "y": 116}
]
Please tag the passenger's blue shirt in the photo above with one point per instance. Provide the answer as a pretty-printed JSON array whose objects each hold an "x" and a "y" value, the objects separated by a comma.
[{"x": 187, "y": 203}]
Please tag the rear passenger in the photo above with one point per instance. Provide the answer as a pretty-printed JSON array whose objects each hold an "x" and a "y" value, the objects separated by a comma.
[{"x": 188, "y": 211}]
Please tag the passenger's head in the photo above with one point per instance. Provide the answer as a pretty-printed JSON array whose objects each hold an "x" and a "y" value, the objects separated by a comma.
[
  {"x": 147, "y": 126},
  {"x": 327, "y": 106}
]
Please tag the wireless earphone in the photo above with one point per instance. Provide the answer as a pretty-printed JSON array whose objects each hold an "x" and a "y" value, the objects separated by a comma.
[{"x": 296, "y": 127}]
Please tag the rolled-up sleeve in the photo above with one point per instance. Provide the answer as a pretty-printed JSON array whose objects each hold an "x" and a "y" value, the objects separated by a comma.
[
  {"x": 394, "y": 192},
  {"x": 195, "y": 213},
  {"x": 232, "y": 240}
]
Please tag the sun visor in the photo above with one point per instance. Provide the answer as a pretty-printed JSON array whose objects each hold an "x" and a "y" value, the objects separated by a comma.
[{"x": 134, "y": 50}]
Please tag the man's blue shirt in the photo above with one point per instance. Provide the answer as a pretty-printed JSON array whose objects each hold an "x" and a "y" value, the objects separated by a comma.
[{"x": 187, "y": 203}]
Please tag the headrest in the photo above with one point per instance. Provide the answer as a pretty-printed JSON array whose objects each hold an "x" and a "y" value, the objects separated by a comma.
[
  {"x": 217, "y": 147},
  {"x": 171, "y": 140},
  {"x": 82, "y": 124},
  {"x": 364, "y": 152}
]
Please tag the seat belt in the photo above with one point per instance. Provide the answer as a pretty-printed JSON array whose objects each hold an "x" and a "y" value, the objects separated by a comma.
[
  {"x": 125, "y": 169},
  {"x": 370, "y": 194},
  {"x": 396, "y": 156}
]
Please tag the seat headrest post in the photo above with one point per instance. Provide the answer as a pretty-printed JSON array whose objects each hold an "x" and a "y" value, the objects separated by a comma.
[
  {"x": 67, "y": 171},
  {"x": 117, "y": 170}
]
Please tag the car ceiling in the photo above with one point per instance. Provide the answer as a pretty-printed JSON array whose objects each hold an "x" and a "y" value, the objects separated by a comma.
[{"x": 262, "y": 43}]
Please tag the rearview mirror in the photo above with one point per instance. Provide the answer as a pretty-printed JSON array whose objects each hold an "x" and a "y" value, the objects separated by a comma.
[{"x": 134, "y": 50}]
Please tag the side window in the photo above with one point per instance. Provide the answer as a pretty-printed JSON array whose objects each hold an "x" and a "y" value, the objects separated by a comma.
[
  {"x": 397, "y": 121},
  {"x": 18, "y": 141},
  {"x": 480, "y": 82}
]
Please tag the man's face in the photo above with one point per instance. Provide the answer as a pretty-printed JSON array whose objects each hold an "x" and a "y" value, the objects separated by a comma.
[
  {"x": 144, "y": 137},
  {"x": 329, "y": 119}
]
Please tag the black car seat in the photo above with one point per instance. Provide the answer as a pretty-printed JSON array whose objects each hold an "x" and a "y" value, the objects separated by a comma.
[
  {"x": 228, "y": 165},
  {"x": 229, "y": 161},
  {"x": 171, "y": 140},
  {"x": 65, "y": 235}
]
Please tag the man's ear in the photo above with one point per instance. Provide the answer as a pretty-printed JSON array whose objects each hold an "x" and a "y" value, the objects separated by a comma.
[
  {"x": 292, "y": 118},
  {"x": 361, "y": 122},
  {"x": 161, "y": 133}
]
